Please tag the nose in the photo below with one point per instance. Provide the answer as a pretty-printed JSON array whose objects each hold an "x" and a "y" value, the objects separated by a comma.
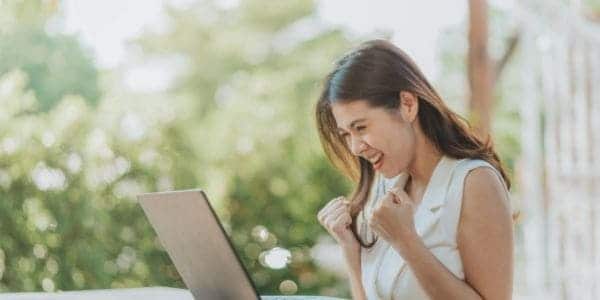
[{"x": 357, "y": 145}]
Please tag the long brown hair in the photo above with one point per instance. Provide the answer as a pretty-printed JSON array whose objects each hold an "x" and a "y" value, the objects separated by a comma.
[{"x": 376, "y": 72}]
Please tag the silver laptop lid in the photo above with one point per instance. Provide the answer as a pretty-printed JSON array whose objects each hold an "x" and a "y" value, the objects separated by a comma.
[{"x": 190, "y": 231}]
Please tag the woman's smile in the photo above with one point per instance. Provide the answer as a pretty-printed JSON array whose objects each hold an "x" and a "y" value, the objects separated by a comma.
[{"x": 377, "y": 161}]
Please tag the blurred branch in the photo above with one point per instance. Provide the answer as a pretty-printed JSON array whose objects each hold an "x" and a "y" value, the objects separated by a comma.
[{"x": 512, "y": 41}]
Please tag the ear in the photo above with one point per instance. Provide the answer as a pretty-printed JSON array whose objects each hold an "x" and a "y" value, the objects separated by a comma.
[{"x": 409, "y": 106}]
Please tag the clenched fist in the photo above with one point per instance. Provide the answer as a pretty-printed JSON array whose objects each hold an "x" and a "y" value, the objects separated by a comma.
[
  {"x": 393, "y": 218},
  {"x": 336, "y": 219}
]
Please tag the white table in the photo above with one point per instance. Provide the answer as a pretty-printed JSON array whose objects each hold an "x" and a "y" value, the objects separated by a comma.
[{"x": 148, "y": 293}]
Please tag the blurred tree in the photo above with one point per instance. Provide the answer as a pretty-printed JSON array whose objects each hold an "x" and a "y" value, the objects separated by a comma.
[
  {"x": 454, "y": 83},
  {"x": 33, "y": 13},
  {"x": 251, "y": 80},
  {"x": 483, "y": 71},
  {"x": 591, "y": 10},
  {"x": 56, "y": 64},
  {"x": 238, "y": 123},
  {"x": 68, "y": 178}
]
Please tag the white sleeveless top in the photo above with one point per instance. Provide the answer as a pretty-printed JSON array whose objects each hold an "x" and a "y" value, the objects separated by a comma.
[{"x": 385, "y": 274}]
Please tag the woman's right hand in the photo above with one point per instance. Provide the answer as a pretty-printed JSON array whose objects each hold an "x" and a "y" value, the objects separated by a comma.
[{"x": 335, "y": 217}]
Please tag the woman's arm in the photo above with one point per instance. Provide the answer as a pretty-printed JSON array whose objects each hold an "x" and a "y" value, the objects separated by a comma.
[
  {"x": 485, "y": 235},
  {"x": 485, "y": 241},
  {"x": 335, "y": 217},
  {"x": 352, "y": 258}
]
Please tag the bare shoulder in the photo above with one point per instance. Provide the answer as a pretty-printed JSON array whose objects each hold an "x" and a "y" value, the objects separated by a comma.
[
  {"x": 485, "y": 234},
  {"x": 484, "y": 195}
]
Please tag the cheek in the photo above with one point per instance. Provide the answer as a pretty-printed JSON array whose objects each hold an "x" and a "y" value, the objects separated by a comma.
[
  {"x": 402, "y": 146},
  {"x": 397, "y": 142}
]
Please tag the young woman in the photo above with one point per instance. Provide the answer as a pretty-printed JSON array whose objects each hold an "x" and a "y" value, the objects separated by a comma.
[{"x": 430, "y": 217}]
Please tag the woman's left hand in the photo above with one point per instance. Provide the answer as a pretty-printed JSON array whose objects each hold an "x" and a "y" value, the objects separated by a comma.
[{"x": 393, "y": 218}]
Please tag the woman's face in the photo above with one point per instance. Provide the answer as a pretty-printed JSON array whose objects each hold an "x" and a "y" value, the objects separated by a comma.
[{"x": 384, "y": 137}]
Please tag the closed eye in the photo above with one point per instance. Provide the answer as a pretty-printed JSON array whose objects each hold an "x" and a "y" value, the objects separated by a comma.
[{"x": 357, "y": 128}]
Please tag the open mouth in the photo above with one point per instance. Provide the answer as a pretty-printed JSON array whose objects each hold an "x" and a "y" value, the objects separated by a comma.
[{"x": 377, "y": 162}]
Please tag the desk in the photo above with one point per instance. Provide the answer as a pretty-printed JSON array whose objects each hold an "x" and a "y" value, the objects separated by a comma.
[{"x": 149, "y": 293}]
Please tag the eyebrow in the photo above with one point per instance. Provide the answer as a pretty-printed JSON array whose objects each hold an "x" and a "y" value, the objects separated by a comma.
[{"x": 353, "y": 123}]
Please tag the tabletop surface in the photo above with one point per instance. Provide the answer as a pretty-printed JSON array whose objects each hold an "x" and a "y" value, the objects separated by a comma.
[{"x": 148, "y": 293}]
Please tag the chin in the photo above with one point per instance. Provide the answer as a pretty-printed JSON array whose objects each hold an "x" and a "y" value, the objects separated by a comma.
[{"x": 389, "y": 175}]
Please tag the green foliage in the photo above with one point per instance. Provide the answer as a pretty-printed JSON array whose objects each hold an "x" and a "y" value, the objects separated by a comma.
[
  {"x": 252, "y": 81},
  {"x": 68, "y": 179},
  {"x": 32, "y": 13},
  {"x": 56, "y": 64},
  {"x": 239, "y": 124}
]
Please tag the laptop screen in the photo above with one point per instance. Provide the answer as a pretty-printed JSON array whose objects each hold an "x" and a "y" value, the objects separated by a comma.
[{"x": 196, "y": 242}]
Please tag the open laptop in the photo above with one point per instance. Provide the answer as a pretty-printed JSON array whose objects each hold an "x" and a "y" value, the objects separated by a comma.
[{"x": 196, "y": 242}]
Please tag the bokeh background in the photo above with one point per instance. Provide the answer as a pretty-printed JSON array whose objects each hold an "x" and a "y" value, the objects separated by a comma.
[{"x": 103, "y": 100}]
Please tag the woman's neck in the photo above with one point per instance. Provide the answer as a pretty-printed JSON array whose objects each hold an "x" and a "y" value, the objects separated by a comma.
[{"x": 426, "y": 159}]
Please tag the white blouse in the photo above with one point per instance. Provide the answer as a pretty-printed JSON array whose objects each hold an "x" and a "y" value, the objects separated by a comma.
[{"x": 385, "y": 274}]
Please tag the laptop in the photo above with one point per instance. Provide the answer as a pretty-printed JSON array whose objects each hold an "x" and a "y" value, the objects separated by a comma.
[{"x": 196, "y": 242}]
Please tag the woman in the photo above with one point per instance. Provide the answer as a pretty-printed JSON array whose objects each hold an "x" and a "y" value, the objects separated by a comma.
[{"x": 430, "y": 217}]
